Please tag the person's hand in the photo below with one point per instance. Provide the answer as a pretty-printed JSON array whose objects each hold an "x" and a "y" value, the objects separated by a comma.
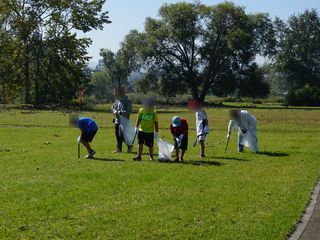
[
  {"x": 156, "y": 135},
  {"x": 79, "y": 139},
  {"x": 229, "y": 135},
  {"x": 136, "y": 130},
  {"x": 178, "y": 140},
  {"x": 181, "y": 137},
  {"x": 206, "y": 130}
]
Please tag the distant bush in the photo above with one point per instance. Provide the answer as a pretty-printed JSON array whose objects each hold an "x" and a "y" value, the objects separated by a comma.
[{"x": 307, "y": 96}]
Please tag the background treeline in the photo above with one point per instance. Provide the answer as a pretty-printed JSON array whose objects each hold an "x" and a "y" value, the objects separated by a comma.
[{"x": 189, "y": 50}]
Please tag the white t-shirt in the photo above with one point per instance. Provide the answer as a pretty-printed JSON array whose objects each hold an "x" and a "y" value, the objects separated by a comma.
[{"x": 201, "y": 117}]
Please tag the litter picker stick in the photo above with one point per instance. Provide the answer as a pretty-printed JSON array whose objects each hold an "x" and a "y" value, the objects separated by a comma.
[
  {"x": 78, "y": 150},
  {"x": 227, "y": 145},
  {"x": 135, "y": 136},
  {"x": 195, "y": 143}
]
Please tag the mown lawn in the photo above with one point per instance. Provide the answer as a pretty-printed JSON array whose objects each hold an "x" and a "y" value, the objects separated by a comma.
[{"x": 47, "y": 193}]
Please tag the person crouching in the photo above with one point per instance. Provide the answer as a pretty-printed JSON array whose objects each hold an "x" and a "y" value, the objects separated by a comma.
[{"x": 179, "y": 130}]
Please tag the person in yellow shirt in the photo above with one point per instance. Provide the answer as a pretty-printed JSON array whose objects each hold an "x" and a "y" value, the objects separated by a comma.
[{"x": 147, "y": 122}]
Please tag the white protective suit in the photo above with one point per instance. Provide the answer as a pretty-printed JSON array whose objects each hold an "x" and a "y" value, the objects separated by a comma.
[
  {"x": 246, "y": 127},
  {"x": 202, "y": 131}
]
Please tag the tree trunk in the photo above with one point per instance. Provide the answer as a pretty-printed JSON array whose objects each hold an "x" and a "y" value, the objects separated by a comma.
[{"x": 27, "y": 82}]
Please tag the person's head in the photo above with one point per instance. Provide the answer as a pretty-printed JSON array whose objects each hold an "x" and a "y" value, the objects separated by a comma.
[
  {"x": 74, "y": 120},
  {"x": 119, "y": 92},
  {"x": 176, "y": 121},
  {"x": 234, "y": 114},
  {"x": 148, "y": 104},
  {"x": 194, "y": 105}
]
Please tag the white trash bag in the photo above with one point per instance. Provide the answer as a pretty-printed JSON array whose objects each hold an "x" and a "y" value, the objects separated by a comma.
[
  {"x": 165, "y": 150},
  {"x": 128, "y": 130},
  {"x": 250, "y": 140}
]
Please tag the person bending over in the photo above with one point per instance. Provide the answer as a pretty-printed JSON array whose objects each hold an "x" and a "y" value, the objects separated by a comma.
[
  {"x": 179, "y": 130},
  {"x": 89, "y": 129},
  {"x": 246, "y": 126}
]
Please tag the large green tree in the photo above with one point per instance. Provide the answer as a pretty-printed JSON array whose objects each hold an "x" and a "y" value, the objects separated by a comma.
[
  {"x": 52, "y": 58},
  {"x": 195, "y": 47},
  {"x": 298, "y": 57}
]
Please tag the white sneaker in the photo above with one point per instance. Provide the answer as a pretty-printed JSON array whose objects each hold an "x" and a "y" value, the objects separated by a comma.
[{"x": 90, "y": 155}]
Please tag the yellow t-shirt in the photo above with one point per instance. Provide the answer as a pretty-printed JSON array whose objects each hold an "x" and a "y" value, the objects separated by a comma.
[{"x": 147, "y": 120}]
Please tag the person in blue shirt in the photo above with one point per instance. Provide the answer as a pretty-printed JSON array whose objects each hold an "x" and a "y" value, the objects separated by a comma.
[{"x": 89, "y": 129}]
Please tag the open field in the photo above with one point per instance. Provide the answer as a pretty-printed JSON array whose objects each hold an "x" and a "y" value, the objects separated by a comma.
[{"x": 47, "y": 193}]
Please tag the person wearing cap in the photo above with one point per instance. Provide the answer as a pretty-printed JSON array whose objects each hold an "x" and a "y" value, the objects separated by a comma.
[
  {"x": 202, "y": 124},
  {"x": 179, "y": 130},
  {"x": 147, "y": 128},
  {"x": 121, "y": 107},
  {"x": 246, "y": 126}
]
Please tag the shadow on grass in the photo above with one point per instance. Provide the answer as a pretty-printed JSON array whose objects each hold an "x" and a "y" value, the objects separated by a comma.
[
  {"x": 274, "y": 154},
  {"x": 107, "y": 159},
  {"x": 195, "y": 163},
  {"x": 230, "y": 158}
]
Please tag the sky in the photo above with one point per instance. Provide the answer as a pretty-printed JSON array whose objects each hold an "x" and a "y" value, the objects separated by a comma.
[{"x": 131, "y": 14}]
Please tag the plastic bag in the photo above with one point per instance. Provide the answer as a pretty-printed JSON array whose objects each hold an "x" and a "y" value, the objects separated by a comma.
[
  {"x": 165, "y": 150},
  {"x": 250, "y": 140},
  {"x": 128, "y": 130}
]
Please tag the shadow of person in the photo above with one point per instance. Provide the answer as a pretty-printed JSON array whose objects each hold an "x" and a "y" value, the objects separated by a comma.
[
  {"x": 274, "y": 154},
  {"x": 107, "y": 159},
  {"x": 229, "y": 158},
  {"x": 195, "y": 163}
]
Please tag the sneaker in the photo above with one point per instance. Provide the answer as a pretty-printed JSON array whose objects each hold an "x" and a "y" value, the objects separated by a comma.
[
  {"x": 90, "y": 155},
  {"x": 202, "y": 156},
  {"x": 117, "y": 151},
  {"x": 130, "y": 149},
  {"x": 181, "y": 159},
  {"x": 137, "y": 158},
  {"x": 151, "y": 158},
  {"x": 176, "y": 160}
]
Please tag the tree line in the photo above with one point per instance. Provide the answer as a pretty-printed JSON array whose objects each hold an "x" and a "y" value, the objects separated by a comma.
[{"x": 190, "y": 48}]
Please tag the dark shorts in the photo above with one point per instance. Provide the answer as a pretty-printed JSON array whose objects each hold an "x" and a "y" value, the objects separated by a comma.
[
  {"x": 88, "y": 137},
  {"x": 184, "y": 144},
  {"x": 146, "y": 138}
]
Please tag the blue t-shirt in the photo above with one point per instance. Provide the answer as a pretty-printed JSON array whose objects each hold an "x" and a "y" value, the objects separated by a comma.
[{"x": 87, "y": 124}]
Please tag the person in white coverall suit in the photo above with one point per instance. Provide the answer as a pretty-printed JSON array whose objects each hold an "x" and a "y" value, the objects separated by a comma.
[{"x": 246, "y": 126}]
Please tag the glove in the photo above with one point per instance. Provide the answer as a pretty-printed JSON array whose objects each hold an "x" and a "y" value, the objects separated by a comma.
[
  {"x": 178, "y": 142},
  {"x": 156, "y": 135},
  {"x": 206, "y": 130},
  {"x": 181, "y": 137},
  {"x": 229, "y": 135},
  {"x": 79, "y": 139}
]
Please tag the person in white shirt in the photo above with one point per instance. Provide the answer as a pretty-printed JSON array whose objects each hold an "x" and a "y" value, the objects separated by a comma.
[
  {"x": 202, "y": 124},
  {"x": 246, "y": 126}
]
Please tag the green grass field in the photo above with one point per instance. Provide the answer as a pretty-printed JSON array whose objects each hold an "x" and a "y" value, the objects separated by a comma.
[{"x": 47, "y": 193}]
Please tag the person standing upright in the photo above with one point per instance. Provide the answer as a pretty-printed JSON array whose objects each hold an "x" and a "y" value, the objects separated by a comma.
[{"x": 121, "y": 107}]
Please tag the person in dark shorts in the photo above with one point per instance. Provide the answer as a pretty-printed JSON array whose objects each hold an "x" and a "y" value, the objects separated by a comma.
[
  {"x": 147, "y": 122},
  {"x": 121, "y": 107},
  {"x": 179, "y": 130},
  {"x": 89, "y": 129}
]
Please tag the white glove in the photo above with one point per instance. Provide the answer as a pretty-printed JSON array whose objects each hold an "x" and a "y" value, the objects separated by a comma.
[
  {"x": 229, "y": 135},
  {"x": 79, "y": 139},
  {"x": 178, "y": 142},
  {"x": 156, "y": 135},
  {"x": 181, "y": 137},
  {"x": 206, "y": 130}
]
